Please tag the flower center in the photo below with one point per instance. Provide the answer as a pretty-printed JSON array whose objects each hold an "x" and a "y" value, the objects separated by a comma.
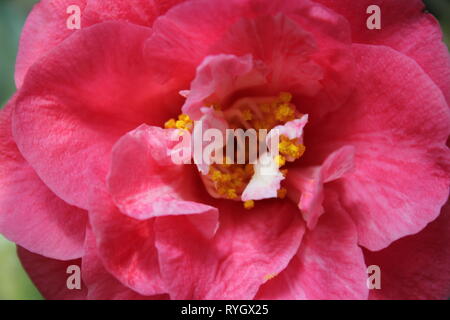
[{"x": 238, "y": 181}]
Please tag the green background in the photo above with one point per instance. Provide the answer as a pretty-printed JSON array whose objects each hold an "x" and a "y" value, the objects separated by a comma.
[{"x": 14, "y": 283}]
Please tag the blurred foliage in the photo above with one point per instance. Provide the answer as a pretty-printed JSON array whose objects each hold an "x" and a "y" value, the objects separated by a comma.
[{"x": 14, "y": 283}]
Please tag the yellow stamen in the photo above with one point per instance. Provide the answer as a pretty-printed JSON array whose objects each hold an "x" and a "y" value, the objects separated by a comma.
[
  {"x": 170, "y": 124},
  {"x": 285, "y": 112},
  {"x": 247, "y": 115},
  {"x": 249, "y": 204},
  {"x": 285, "y": 97},
  {"x": 184, "y": 122},
  {"x": 291, "y": 148},
  {"x": 280, "y": 160},
  {"x": 282, "y": 193}
]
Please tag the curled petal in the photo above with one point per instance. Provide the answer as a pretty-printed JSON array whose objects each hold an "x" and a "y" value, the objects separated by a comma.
[{"x": 30, "y": 214}]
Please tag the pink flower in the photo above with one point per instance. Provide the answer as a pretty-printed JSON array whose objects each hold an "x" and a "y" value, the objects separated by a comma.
[{"x": 87, "y": 177}]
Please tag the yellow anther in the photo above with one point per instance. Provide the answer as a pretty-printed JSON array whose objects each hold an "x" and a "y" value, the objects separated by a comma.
[
  {"x": 228, "y": 180},
  {"x": 183, "y": 123},
  {"x": 285, "y": 112},
  {"x": 285, "y": 97},
  {"x": 291, "y": 148},
  {"x": 282, "y": 193},
  {"x": 280, "y": 160},
  {"x": 170, "y": 124},
  {"x": 247, "y": 115},
  {"x": 184, "y": 117},
  {"x": 249, "y": 204},
  {"x": 215, "y": 175},
  {"x": 231, "y": 194}
]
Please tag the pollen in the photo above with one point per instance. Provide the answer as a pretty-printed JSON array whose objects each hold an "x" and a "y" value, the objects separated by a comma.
[
  {"x": 170, "y": 124},
  {"x": 282, "y": 193},
  {"x": 230, "y": 180},
  {"x": 285, "y": 112},
  {"x": 291, "y": 149},
  {"x": 184, "y": 122},
  {"x": 247, "y": 115},
  {"x": 250, "y": 204},
  {"x": 285, "y": 97},
  {"x": 227, "y": 180},
  {"x": 280, "y": 160}
]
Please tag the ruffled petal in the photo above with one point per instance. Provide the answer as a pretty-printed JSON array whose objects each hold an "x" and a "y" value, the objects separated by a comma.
[
  {"x": 306, "y": 185},
  {"x": 126, "y": 247},
  {"x": 248, "y": 248},
  {"x": 405, "y": 27},
  {"x": 329, "y": 264},
  {"x": 45, "y": 27},
  {"x": 401, "y": 179},
  {"x": 30, "y": 214},
  {"x": 218, "y": 77},
  {"x": 101, "y": 284},
  {"x": 89, "y": 93},
  {"x": 278, "y": 33},
  {"x": 145, "y": 183},
  {"x": 416, "y": 267}
]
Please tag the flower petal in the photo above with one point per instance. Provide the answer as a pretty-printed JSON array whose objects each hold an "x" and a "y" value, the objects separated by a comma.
[
  {"x": 248, "y": 248},
  {"x": 46, "y": 26},
  {"x": 329, "y": 264},
  {"x": 193, "y": 30},
  {"x": 145, "y": 183},
  {"x": 306, "y": 185},
  {"x": 405, "y": 27},
  {"x": 101, "y": 284},
  {"x": 89, "y": 92},
  {"x": 30, "y": 214},
  {"x": 266, "y": 180},
  {"x": 218, "y": 77},
  {"x": 50, "y": 276},
  {"x": 126, "y": 247},
  {"x": 399, "y": 136},
  {"x": 417, "y": 266}
]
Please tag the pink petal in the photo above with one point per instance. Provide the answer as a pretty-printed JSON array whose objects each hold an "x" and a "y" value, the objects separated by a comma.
[
  {"x": 292, "y": 129},
  {"x": 248, "y": 247},
  {"x": 418, "y": 266},
  {"x": 182, "y": 38},
  {"x": 145, "y": 183},
  {"x": 329, "y": 264},
  {"x": 89, "y": 92},
  {"x": 126, "y": 247},
  {"x": 401, "y": 180},
  {"x": 50, "y": 276},
  {"x": 283, "y": 46},
  {"x": 405, "y": 27},
  {"x": 218, "y": 77},
  {"x": 193, "y": 30},
  {"x": 45, "y": 27},
  {"x": 30, "y": 214},
  {"x": 211, "y": 119},
  {"x": 266, "y": 180},
  {"x": 306, "y": 185},
  {"x": 101, "y": 284}
]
